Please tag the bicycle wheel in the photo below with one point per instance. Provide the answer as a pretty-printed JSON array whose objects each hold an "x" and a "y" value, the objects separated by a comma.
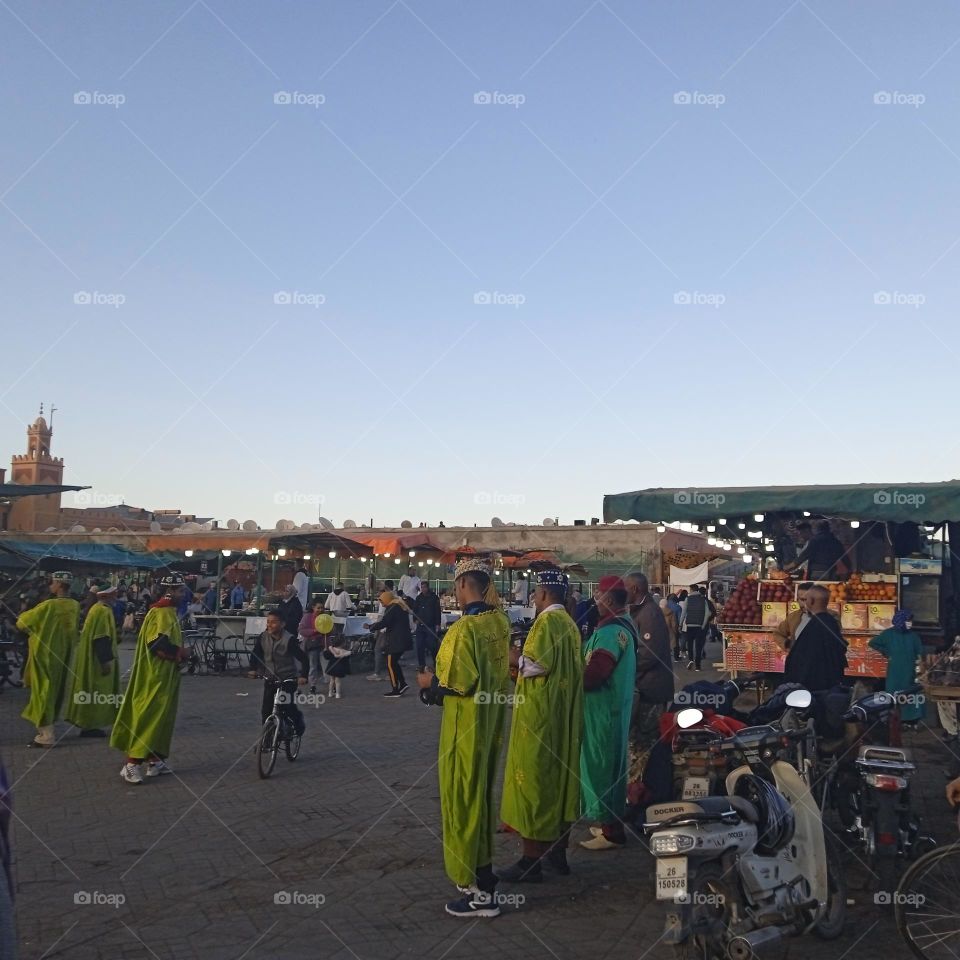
[
  {"x": 269, "y": 745},
  {"x": 927, "y": 905},
  {"x": 291, "y": 745}
]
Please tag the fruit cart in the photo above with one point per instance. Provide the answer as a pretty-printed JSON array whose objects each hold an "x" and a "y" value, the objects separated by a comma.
[{"x": 756, "y": 607}]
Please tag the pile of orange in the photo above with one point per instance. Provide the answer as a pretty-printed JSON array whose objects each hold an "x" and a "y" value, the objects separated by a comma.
[
  {"x": 838, "y": 592},
  {"x": 875, "y": 592}
]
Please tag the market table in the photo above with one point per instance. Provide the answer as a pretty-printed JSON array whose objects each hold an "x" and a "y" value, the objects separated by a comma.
[
  {"x": 516, "y": 613},
  {"x": 237, "y": 624}
]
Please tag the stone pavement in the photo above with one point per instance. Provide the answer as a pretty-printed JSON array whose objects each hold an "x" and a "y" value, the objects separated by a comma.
[{"x": 198, "y": 864}]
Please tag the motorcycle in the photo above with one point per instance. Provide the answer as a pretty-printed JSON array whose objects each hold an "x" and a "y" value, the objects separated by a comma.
[
  {"x": 696, "y": 771},
  {"x": 866, "y": 779},
  {"x": 749, "y": 869}
]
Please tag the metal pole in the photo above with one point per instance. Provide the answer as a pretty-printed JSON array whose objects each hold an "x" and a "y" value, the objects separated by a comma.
[
  {"x": 259, "y": 592},
  {"x": 219, "y": 586}
]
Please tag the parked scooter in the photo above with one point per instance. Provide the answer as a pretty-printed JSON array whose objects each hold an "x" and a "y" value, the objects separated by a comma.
[{"x": 747, "y": 870}]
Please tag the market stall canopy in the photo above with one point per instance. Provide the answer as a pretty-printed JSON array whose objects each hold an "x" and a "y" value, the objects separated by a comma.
[
  {"x": 99, "y": 554},
  {"x": 395, "y": 545},
  {"x": 312, "y": 541},
  {"x": 10, "y": 491},
  {"x": 893, "y": 502}
]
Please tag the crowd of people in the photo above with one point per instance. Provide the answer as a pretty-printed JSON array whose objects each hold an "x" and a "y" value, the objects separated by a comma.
[{"x": 588, "y": 686}]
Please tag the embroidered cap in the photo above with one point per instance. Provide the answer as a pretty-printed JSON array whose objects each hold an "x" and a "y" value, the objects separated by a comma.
[
  {"x": 172, "y": 580},
  {"x": 469, "y": 566},
  {"x": 553, "y": 578},
  {"x": 62, "y": 576}
]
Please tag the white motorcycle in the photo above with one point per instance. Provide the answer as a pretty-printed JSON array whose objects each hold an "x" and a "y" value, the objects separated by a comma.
[{"x": 745, "y": 871}]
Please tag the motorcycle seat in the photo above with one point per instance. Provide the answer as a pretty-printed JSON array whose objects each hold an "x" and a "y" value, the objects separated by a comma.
[{"x": 717, "y": 805}]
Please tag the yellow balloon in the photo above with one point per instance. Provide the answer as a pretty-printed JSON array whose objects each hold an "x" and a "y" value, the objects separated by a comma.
[{"x": 323, "y": 623}]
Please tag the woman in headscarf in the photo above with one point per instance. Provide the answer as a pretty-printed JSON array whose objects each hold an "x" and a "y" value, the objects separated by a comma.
[
  {"x": 902, "y": 648},
  {"x": 396, "y": 622}
]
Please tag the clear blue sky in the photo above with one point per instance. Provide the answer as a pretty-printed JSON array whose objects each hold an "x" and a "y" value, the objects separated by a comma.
[{"x": 783, "y": 201}]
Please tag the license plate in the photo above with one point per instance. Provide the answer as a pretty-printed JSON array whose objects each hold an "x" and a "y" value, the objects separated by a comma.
[
  {"x": 696, "y": 788},
  {"x": 671, "y": 877}
]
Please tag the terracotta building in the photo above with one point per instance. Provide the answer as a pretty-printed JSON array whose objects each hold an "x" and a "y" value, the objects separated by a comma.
[{"x": 34, "y": 467}]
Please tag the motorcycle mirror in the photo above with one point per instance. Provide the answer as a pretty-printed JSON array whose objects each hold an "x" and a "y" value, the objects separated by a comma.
[
  {"x": 799, "y": 699},
  {"x": 689, "y": 718}
]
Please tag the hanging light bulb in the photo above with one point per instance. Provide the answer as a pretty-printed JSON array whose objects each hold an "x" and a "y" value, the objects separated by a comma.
[
  {"x": 332, "y": 554},
  {"x": 429, "y": 562},
  {"x": 854, "y": 524},
  {"x": 188, "y": 553},
  {"x": 397, "y": 560},
  {"x": 722, "y": 521},
  {"x": 282, "y": 552},
  {"x": 758, "y": 517},
  {"x": 769, "y": 548},
  {"x": 412, "y": 553},
  {"x": 741, "y": 526},
  {"x": 363, "y": 559},
  {"x": 387, "y": 555},
  {"x": 711, "y": 528},
  {"x": 307, "y": 556},
  {"x": 226, "y": 553},
  {"x": 711, "y": 541},
  {"x": 661, "y": 528},
  {"x": 741, "y": 549},
  {"x": 748, "y": 558}
]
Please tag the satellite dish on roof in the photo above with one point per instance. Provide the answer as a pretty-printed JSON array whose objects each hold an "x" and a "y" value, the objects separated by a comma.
[
  {"x": 113, "y": 529},
  {"x": 306, "y": 526},
  {"x": 406, "y": 524},
  {"x": 190, "y": 527},
  {"x": 496, "y": 522},
  {"x": 78, "y": 528},
  {"x": 249, "y": 526},
  {"x": 96, "y": 530},
  {"x": 50, "y": 530},
  {"x": 286, "y": 525},
  {"x": 326, "y": 524},
  {"x": 349, "y": 524},
  {"x": 208, "y": 525},
  {"x": 548, "y": 521},
  {"x": 233, "y": 525},
  {"x": 154, "y": 526}
]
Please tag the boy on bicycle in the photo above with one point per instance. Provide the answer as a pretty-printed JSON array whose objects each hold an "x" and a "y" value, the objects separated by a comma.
[{"x": 278, "y": 656}]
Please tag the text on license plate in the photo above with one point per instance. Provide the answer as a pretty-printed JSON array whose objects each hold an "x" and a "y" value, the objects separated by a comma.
[
  {"x": 671, "y": 877},
  {"x": 696, "y": 788}
]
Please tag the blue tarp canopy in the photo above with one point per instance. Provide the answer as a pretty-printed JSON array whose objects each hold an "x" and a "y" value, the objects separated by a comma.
[{"x": 98, "y": 554}]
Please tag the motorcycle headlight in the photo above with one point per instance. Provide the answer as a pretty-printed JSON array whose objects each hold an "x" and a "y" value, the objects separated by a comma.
[{"x": 671, "y": 843}]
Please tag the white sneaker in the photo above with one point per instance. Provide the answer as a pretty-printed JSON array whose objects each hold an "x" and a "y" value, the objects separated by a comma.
[
  {"x": 132, "y": 773},
  {"x": 374, "y": 676},
  {"x": 158, "y": 769},
  {"x": 336, "y": 696}
]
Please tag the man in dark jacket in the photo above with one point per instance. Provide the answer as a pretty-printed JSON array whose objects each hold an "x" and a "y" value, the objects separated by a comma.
[
  {"x": 426, "y": 611},
  {"x": 696, "y": 616},
  {"x": 818, "y": 657},
  {"x": 277, "y": 654},
  {"x": 824, "y": 555},
  {"x": 290, "y": 610},
  {"x": 395, "y": 623},
  {"x": 654, "y": 688}
]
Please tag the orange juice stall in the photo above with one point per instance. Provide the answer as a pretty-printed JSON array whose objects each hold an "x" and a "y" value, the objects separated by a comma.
[
  {"x": 891, "y": 547},
  {"x": 765, "y": 604}
]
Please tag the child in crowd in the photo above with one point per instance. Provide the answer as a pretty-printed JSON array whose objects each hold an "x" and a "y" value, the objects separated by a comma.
[{"x": 337, "y": 656}]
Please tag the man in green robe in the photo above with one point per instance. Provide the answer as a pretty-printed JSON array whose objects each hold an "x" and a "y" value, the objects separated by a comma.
[
  {"x": 471, "y": 684},
  {"x": 95, "y": 692},
  {"x": 52, "y": 626},
  {"x": 144, "y": 725},
  {"x": 541, "y": 785},
  {"x": 610, "y": 667}
]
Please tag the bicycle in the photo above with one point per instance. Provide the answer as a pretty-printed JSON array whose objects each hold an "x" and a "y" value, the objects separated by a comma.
[
  {"x": 927, "y": 904},
  {"x": 278, "y": 729}
]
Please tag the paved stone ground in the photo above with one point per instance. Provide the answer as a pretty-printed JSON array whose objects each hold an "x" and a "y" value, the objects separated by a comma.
[{"x": 199, "y": 857}]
